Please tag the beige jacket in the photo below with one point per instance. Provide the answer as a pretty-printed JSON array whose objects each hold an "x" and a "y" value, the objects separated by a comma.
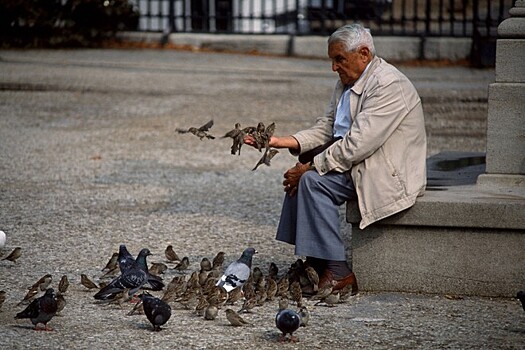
[{"x": 385, "y": 149}]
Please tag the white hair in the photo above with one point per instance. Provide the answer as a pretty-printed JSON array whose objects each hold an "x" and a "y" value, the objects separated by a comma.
[{"x": 353, "y": 36}]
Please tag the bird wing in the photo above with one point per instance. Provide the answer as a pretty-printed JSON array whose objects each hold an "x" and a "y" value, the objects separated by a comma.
[
  {"x": 234, "y": 276},
  {"x": 206, "y": 126}
]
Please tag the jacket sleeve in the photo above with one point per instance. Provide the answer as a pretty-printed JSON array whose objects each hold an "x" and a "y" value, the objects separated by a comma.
[{"x": 384, "y": 104}]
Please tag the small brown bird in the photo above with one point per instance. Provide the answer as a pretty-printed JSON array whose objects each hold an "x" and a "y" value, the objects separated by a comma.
[
  {"x": 205, "y": 264},
  {"x": 183, "y": 264},
  {"x": 296, "y": 294},
  {"x": 210, "y": 313},
  {"x": 234, "y": 296},
  {"x": 63, "y": 284},
  {"x": 137, "y": 309},
  {"x": 2, "y": 297},
  {"x": 61, "y": 302},
  {"x": 283, "y": 303},
  {"x": 237, "y": 135},
  {"x": 14, "y": 255},
  {"x": 248, "y": 305},
  {"x": 313, "y": 277},
  {"x": 201, "y": 132},
  {"x": 266, "y": 157},
  {"x": 330, "y": 300},
  {"x": 170, "y": 254},
  {"x": 273, "y": 271},
  {"x": 305, "y": 316},
  {"x": 235, "y": 319},
  {"x": 202, "y": 304},
  {"x": 86, "y": 282},
  {"x": 324, "y": 291},
  {"x": 30, "y": 295},
  {"x": 112, "y": 263},
  {"x": 158, "y": 268},
  {"x": 282, "y": 287},
  {"x": 42, "y": 283},
  {"x": 218, "y": 260}
]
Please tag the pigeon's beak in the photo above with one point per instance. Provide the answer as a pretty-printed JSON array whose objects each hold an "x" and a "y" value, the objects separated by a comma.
[{"x": 256, "y": 252}]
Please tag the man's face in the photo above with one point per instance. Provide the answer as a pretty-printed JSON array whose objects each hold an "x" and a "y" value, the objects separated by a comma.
[{"x": 349, "y": 65}]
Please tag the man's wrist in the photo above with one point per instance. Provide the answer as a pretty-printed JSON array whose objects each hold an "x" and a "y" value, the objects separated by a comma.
[{"x": 312, "y": 166}]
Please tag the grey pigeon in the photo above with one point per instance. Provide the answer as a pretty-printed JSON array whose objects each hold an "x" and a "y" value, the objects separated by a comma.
[
  {"x": 287, "y": 321},
  {"x": 133, "y": 278},
  {"x": 238, "y": 271},
  {"x": 157, "y": 311},
  {"x": 41, "y": 310},
  {"x": 125, "y": 259},
  {"x": 201, "y": 132}
]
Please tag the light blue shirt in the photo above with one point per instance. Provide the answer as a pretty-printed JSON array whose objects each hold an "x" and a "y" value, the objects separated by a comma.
[{"x": 343, "y": 120}]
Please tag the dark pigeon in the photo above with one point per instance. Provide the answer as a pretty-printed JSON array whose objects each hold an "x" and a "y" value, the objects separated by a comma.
[
  {"x": 133, "y": 278},
  {"x": 521, "y": 297},
  {"x": 157, "y": 311},
  {"x": 125, "y": 259},
  {"x": 238, "y": 271},
  {"x": 287, "y": 321},
  {"x": 41, "y": 310}
]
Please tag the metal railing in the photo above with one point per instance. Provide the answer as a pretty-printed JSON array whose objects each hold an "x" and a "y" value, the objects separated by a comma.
[{"x": 424, "y": 18}]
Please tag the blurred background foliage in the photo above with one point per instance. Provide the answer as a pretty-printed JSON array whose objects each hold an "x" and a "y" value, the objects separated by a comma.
[{"x": 64, "y": 23}]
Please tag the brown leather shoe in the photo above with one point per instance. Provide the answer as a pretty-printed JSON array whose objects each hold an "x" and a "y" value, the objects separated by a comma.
[{"x": 350, "y": 279}]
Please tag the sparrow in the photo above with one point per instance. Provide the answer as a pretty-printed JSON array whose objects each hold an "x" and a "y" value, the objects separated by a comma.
[
  {"x": 170, "y": 254},
  {"x": 273, "y": 271},
  {"x": 248, "y": 305},
  {"x": 235, "y": 319},
  {"x": 112, "y": 263},
  {"x": 238, "y": 271},
  {"x": 296, "y": 294},
  {"x": 201, "y": 132},
  {"x": 237, "y": 135},
  {"x": 234, "y": 296},
  {"x": 282, "y": 287},
  {"x": 205, "y": 264},
  {"x": 158, "y": 268},
  {"x": 42, "y": 283},
  {"x": 14, "y": 255},
  {"x": 86, "y": 282},
  {"x": 330, "y": 300},
  {"x": 41, "y": 310},
  {"x": 305, "y": 316},
  {"x": 313, "y": 277},
  {"x": 183, "y": 264},
  {"x": 283, "y": 303},
  {"x": 217, "y": 261},
  {"x": 271, "y": 288},
  {"x": 63, "y": 285},
  {"x": 266, "y": 157},
  {"x": 2, "y": 297},
  {"x": 61, "y": 302},
  {"x": 210, "y": 312},
  {"x": 287, "y": 321}
]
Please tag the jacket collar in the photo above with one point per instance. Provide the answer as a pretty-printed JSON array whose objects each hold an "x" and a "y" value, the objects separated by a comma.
[{"x": 360, "y": 83}]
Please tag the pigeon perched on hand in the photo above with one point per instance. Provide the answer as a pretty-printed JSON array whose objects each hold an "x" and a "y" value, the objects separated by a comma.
[
  {"x": 287, "y": 321},
  {"x": 41, "y": 310},
  {"x": 201, "y": 132},
  {"x": 238, "y": 271},
  {"x": 157, "y": 311}
]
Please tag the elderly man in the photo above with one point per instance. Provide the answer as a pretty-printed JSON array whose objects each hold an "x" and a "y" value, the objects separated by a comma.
[{"x": 369, "y": 146}]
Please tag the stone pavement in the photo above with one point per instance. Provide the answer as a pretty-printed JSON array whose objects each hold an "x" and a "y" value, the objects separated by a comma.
[{"x": 89, "y": 159}]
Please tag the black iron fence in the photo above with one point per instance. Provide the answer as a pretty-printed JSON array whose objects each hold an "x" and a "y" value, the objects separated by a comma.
[{"x": 423, "y": 18}]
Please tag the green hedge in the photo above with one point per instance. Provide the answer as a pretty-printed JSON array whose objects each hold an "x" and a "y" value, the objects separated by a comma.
[{"x": 63, "y": 23}]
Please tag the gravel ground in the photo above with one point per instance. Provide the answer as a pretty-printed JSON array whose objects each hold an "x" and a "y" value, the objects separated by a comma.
[{"x": 89, "y": 159}]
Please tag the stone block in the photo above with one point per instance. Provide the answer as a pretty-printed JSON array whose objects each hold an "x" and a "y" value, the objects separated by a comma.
[
  {"x": 510, "y": 61},
  {"x": 506, "y": 129}
]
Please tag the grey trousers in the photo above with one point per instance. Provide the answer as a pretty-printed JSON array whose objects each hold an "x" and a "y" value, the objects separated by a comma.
[{"x": 310, "y": 219}]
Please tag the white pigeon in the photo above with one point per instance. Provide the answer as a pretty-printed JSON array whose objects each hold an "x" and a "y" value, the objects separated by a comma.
[{"x": 238, "y": 271}]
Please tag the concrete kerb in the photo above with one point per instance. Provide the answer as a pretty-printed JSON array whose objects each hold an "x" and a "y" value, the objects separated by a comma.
[{"x": 391, "y": 48}]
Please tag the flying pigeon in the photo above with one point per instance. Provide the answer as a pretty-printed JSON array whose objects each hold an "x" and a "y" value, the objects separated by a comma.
[
  {"x": 41, "y": 310},
  {"x": 157, "y": 311},
  {"x": 287, "y": 321},
  {"x": 201, "y": 132},
  {"x": 133, "y": 278},
  {"x": 238, "y": 271}
]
